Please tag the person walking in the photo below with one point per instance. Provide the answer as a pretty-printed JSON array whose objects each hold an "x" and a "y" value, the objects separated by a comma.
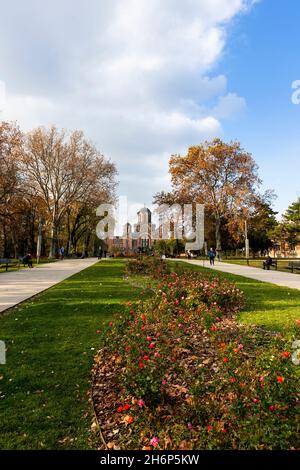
[
  {"x": 100, "y": 253},
  {"x": 62, "y": 253},
  {"x": 28, "y": 260},
  {"x": 211, "y": 255}
]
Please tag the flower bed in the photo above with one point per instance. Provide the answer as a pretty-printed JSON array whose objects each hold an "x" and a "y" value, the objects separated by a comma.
[{"x": 178, "y": 372}]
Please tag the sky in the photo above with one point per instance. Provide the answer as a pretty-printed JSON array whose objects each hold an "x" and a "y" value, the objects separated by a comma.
[{"x": 148, "y": 78}]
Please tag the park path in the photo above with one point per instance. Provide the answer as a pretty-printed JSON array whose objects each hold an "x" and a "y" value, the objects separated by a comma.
[
  {"x": 17, "y": 286},
  {"x": 275, "y": 277}
]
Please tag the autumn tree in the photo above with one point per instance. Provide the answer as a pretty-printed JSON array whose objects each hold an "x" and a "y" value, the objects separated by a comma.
[
  {"x": 11, "y": 140},
  {"x": 221, "y": 176},
  {"x": 64, "y": 171}
]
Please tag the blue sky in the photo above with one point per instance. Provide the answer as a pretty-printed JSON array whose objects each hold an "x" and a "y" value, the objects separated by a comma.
[
  {"x": 147, "y": 78},
  {"x": 261, "y": 62}
]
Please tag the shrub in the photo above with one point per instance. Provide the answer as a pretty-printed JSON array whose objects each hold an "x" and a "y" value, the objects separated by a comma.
[
  {"x": 152, "y": 266},
  {"x": 206, "y": 382}
]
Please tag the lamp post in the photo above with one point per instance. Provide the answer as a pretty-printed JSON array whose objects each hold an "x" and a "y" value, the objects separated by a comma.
[
  {"x": 39, "y": 240},
  {"x": 247, "y": 248}
]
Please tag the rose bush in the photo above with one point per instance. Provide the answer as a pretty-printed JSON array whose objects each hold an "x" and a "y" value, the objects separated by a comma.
[{"x": 204, "y": 382}]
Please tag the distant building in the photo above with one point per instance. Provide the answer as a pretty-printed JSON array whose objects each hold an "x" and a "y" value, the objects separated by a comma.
[
  {"x": 284, "y": 250},
  {"x": 137, "y": 240}
]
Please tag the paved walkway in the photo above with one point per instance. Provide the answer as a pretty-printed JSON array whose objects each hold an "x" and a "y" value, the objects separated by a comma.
[
  {"x": 16, "y": 286},
  {"x": 275, "y": 277}
]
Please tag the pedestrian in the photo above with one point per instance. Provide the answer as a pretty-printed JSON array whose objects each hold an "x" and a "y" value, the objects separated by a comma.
[
  {"x": 268, "y": 263},
  {"x": 100, "y": 253},
  {"x": 28, "y": 260},
  {"x": 62, "y": 252},
  {"x": 211, "y": 255}
]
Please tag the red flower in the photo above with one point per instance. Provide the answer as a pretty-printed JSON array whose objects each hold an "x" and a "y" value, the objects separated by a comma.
[
  {"x": 272, "y": 408},
  {"x": 280, "y": 379},
  {"x": 225, "y": 359},
  {"x": 141, "y": 365},
  {"x": 151, "y": 345},
  {"x": 149, "y": 338},
  {"x": 209, "y": 428},
  {"x": 146, "y": 358},
  {"x": 120, "y": 409},
  {"x": 126, "y": 407},
  {"x": 285, "y": 354},
  {"x": 213, "y": 328}
]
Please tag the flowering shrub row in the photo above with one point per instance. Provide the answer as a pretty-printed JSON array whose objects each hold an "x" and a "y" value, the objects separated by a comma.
[
  {"x": 152, "y": 266},
  {"x": 194, "y": 379}
]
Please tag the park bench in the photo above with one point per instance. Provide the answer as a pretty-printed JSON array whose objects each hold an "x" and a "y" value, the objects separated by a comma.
[
  {"x": 294, "y": 265},
  {"x": 8, "y": 263},
  {"x": 273, "y": 265}
]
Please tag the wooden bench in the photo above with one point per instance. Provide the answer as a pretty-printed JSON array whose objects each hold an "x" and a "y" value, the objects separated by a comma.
[
  {"x": 273, "y": 265},
  {"x": 294, "y": 265},
  {"x": 8, "y": 263}
]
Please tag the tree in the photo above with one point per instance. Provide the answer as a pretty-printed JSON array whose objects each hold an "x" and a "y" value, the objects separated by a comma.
[
  {"x": 261, "y": 225},
  {"x": 11, "y": 140},
  {"x": 291, "y": 221},
  {"x": 221, "y": 176},
  {"x": 64, "y": 171}
]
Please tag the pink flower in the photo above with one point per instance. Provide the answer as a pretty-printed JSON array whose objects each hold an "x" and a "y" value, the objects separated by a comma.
[
  {"x": 154, "y": 441},
  {"x": 151, "y": 345},
  {"x": 156, "y": 354},
  {"x": 141, "y": 403}
]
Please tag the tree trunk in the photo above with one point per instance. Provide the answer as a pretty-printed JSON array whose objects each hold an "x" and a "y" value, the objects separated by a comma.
[
  {"x": 53, "y": 241},
  {"x": 218, "y": 233}
]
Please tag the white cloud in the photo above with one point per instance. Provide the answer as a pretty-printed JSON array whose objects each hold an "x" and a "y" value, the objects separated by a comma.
[
  {"x": 136, "y": 75},
  {"x": 229, "y": 106}
]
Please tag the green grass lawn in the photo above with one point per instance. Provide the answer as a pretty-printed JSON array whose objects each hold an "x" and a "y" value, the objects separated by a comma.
[
  {"x": 50, "y": 341},
  {"x": 282, "y": 264},
  {"x": 269, "y": 306}
]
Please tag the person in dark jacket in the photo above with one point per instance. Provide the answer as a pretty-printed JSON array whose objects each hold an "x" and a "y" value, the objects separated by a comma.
[
  {"x": 268, "y": 262},
  {"x": 28, "y": 260},
  {"x": 211, "y": 255}
]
